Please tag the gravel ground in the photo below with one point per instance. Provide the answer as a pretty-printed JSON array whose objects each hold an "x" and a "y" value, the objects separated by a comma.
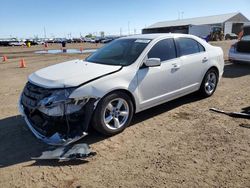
[{"x": 177, "y": 144}]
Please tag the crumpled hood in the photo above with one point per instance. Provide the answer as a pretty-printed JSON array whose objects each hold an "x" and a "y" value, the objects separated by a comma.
[{"x": 70, "y": 74}]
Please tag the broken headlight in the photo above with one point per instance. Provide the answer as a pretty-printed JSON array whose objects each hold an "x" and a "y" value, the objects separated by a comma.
[{"x": 59, "y": 103}]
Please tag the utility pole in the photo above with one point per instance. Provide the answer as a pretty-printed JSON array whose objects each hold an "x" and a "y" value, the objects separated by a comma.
[
  {"x": 128, "y": 28},
  {"x": 44, "y": 30},
  {"x": 182, "y": 13},
  {"x": 120, "y": 31}
]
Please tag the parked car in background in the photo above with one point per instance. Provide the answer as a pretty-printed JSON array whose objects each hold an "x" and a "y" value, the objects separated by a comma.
[
  {"x": 240, "y": 51},
  {"x": 85, "y": 39},
  {"x": 92, "y": 40},
  {"x": 106, "y": 40},
  {"x": 50, "y": 40},
  {"x": 40, "y": 42},
  {"x": 17, "y": 43},
  {"x": 5, "y": 42},
  {"x": 77, "y": 40},
  {"x": 99, "y": 39},
  {"x": 70, "y": 40},
  {"x": 231, "y": 36},
  {"x": 34, "y": 42},
  {"x": 124, "y": 77},
  {"x": 59, "y": 40}
]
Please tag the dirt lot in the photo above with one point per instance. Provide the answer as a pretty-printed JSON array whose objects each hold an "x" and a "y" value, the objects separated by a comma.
[{"x": 177, "y": 144}]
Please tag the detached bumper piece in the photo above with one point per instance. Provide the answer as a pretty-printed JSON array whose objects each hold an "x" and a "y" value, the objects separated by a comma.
[
  {"x": 67, "y": 153},
  {"x": 66, "y": 126},
  {"x": 245, "y": 114}
]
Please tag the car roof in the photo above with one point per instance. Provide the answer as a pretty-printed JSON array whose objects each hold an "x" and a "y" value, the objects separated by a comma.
[{"x": 155, "y": 36}]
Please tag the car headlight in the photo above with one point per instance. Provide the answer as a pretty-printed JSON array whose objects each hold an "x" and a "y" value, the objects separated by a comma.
[{"x": 59, "y": 103}]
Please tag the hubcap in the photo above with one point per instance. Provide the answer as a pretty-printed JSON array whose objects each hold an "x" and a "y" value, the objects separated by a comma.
[
  {"x": 210, "y": 83},
  {"x": 116, "y": 113}
]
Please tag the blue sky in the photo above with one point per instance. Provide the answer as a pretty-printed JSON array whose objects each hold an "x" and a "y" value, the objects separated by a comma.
[{"x": 26, "y": 18}]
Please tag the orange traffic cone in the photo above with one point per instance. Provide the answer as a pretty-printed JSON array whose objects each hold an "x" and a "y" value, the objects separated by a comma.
[
  {"x": 22, "y": 64},
  {"x": 81, "y": 49},
  {"x": 5, "y": 58}
]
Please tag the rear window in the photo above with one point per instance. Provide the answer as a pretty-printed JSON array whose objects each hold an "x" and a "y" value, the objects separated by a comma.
[
  {"x": 246, "y": 38},
  {"x": 189, "y": 46}
]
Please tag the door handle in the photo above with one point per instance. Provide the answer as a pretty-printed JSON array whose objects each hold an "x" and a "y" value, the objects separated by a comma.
[{"x": 204, "y": 60}]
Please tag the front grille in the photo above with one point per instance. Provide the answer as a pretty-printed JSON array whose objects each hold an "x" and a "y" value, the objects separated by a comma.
[{"x": 32, "y": 94}]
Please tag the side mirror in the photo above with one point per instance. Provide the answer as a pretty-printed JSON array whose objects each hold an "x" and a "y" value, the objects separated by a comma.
[{"x": 153, "y": 62}]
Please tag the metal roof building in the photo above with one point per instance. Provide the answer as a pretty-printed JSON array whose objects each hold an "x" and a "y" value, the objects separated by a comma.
[{"x": 231, "y": 23}]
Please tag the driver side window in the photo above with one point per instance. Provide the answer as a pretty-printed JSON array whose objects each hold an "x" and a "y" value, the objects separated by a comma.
[{"x": 164, "y": 49}]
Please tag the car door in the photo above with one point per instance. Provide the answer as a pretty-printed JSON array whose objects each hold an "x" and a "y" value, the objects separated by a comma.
[
  {"x": 157, "y": 84},
  {"x": 194, "y": 62}
]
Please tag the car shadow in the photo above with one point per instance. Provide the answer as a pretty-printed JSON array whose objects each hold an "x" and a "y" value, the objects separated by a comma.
[
  {"x": 233, "y": 70},
  {"x": 246, "y": 110},
  {"x": 18, "y": 145}
]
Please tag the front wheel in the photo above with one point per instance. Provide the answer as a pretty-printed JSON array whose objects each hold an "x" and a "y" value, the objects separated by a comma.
[
  {"x": 209, "y": 83},
  {"x": 113, "y": 114}
]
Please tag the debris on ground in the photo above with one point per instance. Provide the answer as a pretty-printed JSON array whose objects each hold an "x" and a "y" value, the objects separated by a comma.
[
  {"x": 245, "y": 126},
  {"x": 67, "y": 153},
  {"x": 244, "y": 114}
]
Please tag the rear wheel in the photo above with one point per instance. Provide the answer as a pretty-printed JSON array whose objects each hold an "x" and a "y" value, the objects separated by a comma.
[
  {"x": 209, "y": 83},
  {"x": 113, "y": 114}
]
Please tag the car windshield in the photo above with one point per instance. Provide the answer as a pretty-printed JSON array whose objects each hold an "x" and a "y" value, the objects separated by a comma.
[
  {"x": 119, "y": 52},
  {"x": 246, "y": 38}
]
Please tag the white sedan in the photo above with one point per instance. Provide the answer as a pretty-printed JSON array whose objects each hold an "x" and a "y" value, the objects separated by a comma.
[{"x": 126, "y": 76}]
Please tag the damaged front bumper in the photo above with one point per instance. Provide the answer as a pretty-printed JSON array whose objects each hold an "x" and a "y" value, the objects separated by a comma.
[
  {"x": 56, "y": 139},
  {"x": 54, "y": 130}
]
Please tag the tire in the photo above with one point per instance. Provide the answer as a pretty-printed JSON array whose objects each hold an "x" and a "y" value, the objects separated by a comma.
[
  {"x": 227, "y": 37},
  {"x": 209, "y": 83},
  {"x": 110, "y": 109},
  {"x": 217, "y": 38}
]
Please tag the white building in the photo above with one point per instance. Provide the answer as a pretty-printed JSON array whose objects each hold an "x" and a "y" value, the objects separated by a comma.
[{"x": 200, "y": 26}]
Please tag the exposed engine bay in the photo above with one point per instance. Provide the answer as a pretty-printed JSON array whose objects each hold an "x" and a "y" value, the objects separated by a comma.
[{"x": 53, "y": 116}]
